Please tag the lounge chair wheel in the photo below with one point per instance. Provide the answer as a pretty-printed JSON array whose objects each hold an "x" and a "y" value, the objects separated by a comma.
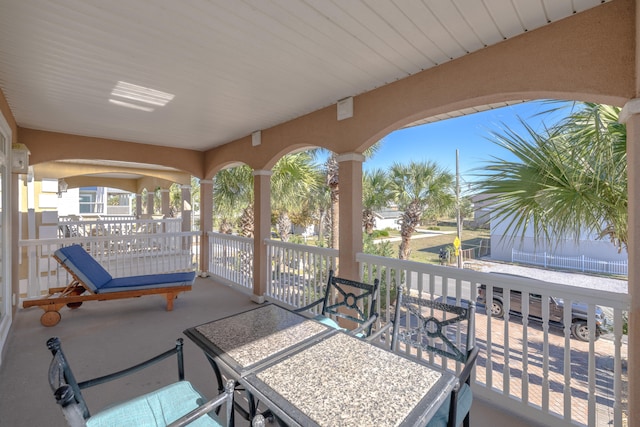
[
  {"x": 74, "y": 305},
  {"x": 50, "y": 318}
]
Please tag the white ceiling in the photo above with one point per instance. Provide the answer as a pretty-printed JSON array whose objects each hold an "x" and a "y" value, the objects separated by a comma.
[{"x": 233, "y": 66}]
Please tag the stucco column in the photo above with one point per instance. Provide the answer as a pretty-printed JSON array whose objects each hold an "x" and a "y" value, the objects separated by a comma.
[
  {"x": 350, "y": 216},
  {"x": 262, "y": 231},
  {"x": 150, "y": 196},
  {"x": 186, "y": 207},
  {"x": 206, "y": 221},
  {"x": 138, "y": 206},
  {"x": 165, "y": 197},
  {"x": 631, "y": 116}
]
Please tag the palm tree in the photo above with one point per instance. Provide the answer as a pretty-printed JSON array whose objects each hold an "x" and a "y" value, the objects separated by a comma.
[
  {"x": 376, "y": 195},
  {"x": 292, "y": 184},
  {"x": 416, "y": 187},
  {"x": 567, "y": 180},
  {"x": 233, "y": 193}
]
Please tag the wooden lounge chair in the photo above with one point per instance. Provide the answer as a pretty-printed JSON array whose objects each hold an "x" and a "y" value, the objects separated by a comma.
[{"x": 92, "y": 282}]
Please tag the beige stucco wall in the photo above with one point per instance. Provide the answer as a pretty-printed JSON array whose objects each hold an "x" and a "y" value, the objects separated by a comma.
[{"x": 50, "y": 146}]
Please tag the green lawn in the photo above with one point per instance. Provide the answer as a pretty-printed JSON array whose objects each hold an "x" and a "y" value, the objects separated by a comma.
[{"x": 426, "y": 249}]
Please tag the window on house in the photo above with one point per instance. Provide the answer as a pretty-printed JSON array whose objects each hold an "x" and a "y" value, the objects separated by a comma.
[{"x": 89, "y": 203}]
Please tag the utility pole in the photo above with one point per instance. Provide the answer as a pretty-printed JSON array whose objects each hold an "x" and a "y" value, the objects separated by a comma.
[{"x": 458, "y": 217}]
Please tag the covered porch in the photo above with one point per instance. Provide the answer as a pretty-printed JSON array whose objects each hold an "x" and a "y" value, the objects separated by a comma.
[
  {"x": 134, "y": 329},
  {"x": 588, "y": 53}
]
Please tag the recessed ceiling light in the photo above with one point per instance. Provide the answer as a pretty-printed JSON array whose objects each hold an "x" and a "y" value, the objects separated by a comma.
[
  {"x": 130, "y": 105},
  {"x": 141, "y": 94}
]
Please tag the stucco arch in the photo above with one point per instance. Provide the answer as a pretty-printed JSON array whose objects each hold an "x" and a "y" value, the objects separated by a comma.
[
  {"x": 51, "y": 146},
  {"x": 213, "y": 170},
  {"x": 263, "y": 164}
]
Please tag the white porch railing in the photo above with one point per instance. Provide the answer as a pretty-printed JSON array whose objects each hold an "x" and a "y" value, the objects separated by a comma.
[
  {"x": 298, "y": 272},
  {"x": 550, "y": 376},
  {"x": 120, "y": 255},
  {"x": 231, "y": 258},
  {"x": 578, "y": 263},
  {"x": 117, "y": 227}
]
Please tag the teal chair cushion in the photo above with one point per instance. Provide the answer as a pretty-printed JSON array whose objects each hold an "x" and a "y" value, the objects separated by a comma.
[
  {"x": 333, "y": 324},
  {"x": 158, "y": 408},
  {"x": 329, "y": 322},
  {"x": 465, "y": 397}
]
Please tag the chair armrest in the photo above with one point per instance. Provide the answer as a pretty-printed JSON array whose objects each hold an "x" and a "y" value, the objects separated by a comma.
[
  {"x": 377, "y": 334},
  {"x": 70, "y": 408},
  {"x": 309, "y": 306},
  {"x": 225, "y": 397},
  {"x": 360, "y": 329},
  {"x": 465, "y": 374}
]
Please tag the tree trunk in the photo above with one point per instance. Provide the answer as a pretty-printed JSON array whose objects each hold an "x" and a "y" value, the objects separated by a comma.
[
  {"x": 410, "y": 220},
  {"x": 284, "y": 226},
  {"x": 335, "y": 214},
  {"x": 334, "y": 190},
  {"x": 404, "y": 250},
  {"x": 247, "y": 221},
  {"x": 368, "y": 220}
]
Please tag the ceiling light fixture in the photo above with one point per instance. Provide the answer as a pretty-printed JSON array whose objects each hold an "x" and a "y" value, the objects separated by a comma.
[
  {"x": 141, "y": 94},
  {"x": 130, "y": 105}
]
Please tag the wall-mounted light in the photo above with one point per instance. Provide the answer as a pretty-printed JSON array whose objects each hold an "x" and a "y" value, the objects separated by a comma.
[
  {"x": 20, "y": 158},
  {"x": 62, "y": 187},
  {"x": 345, "y": 108}
]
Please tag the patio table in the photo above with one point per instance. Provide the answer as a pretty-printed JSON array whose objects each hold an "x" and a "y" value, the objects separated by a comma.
[
  {"x": 342, "y": 380},
  {"x": 242, "y": 342}
]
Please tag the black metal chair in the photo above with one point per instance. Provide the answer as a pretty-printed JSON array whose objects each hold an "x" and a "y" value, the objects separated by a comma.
[
  {"x": 177, "y": 404},
  {"x": 350, "y": 300},
  {"x": 447, "y": 332}
]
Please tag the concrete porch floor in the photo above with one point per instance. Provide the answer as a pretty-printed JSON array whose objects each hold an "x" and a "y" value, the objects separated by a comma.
[{"x": 102, "y": 337}]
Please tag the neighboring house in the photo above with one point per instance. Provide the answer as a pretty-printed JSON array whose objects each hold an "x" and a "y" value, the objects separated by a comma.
[
  {"x": 481, "y": 211},
  {"x": 562, "y": 246},
  {"x": 387, "y": 218},
  {"x": 307, "y": 231},
  {"x": 84, "y": 201}
]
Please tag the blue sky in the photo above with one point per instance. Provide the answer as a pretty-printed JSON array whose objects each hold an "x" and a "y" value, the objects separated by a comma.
[{"x": 438, "y": 141}]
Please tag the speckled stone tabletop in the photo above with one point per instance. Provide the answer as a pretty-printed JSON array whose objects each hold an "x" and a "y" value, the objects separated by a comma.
[
  {"x": 344, "y": 381},
  {"x": 256, "y": 335}
]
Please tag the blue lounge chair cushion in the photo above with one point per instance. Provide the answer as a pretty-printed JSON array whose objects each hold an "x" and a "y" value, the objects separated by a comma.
[
  {"x": 84, "y": 266},
  {"x": 149, "y": 281},
  {"x": 92, "y": 274},
  {"x": 158, "y": 408},
  {"x": 465, "y": 398}
]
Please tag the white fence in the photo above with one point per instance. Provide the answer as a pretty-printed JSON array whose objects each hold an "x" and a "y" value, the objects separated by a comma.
[{"x": 578, "y": 263}]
